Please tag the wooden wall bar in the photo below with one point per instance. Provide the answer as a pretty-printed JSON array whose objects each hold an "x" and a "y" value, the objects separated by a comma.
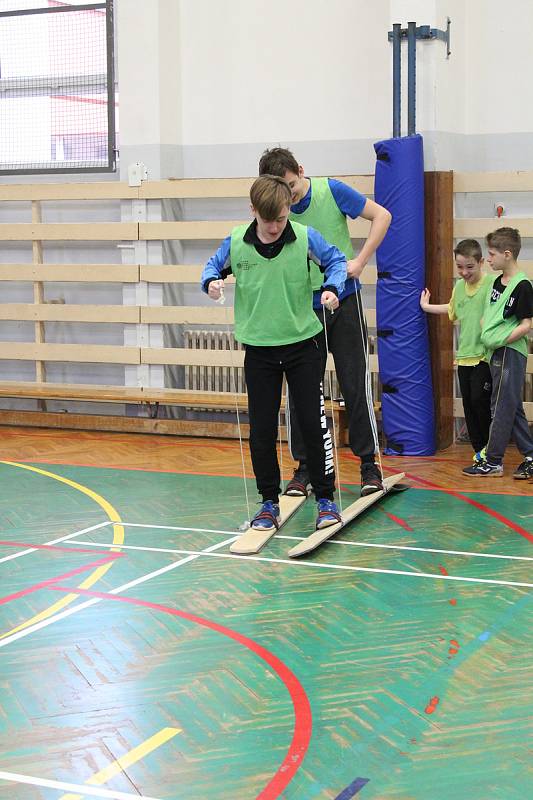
[
  {"x": 439, "y": 279},
  {"x": 441, "y": 229}
]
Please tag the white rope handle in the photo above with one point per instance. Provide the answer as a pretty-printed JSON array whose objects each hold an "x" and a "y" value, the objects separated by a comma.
[
  {"x": 221, "y": 300},
  {"x": 330, "y": 388},
  {"x": 368, "y": 379}
]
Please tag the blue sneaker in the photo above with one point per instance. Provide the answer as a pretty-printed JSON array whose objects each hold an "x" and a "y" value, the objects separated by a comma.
[
  {"x": 267, "y": 518},
  {"x": 328, "y": 513}
]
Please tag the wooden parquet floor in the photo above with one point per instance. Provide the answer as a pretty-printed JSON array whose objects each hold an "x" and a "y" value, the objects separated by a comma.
[
  {"x": 223, "y": 457},
  {"x": 140, "y": 658}
]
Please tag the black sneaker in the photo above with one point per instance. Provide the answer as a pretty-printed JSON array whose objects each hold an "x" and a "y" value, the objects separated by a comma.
[
  {"x": 525, "y": 471},
  {"x": 371, "y": 480},
  {"x": 299, "y": 483}
]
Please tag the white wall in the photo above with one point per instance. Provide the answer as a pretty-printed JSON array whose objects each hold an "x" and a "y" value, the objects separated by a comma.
[
  {"x": 310, "y": 69},
  {"x": 500, "y": 66}
]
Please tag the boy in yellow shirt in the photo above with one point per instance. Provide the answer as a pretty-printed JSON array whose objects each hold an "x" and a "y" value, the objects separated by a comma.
[{"x": 466, "y": 307}]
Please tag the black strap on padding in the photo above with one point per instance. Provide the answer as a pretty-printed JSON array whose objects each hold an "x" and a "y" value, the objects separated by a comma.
[
  {"x": 383, "y": 157},
  {"x": 384, "y": 274},
  {"x": 384, "y": 332},
  {"x": 395, "y": 446},
  {"x": 387, "y": 388}
]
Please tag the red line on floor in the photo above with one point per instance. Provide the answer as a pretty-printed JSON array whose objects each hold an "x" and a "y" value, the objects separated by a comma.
[
  {"x": 486, "y": 509},
  {"x": 399, "y": 521},
  {"x": 47, "y": 547},
  {"x": 130, "y": 469},
  {"x": 47, "y": 583},
  {"x": 303, "y": 721}
]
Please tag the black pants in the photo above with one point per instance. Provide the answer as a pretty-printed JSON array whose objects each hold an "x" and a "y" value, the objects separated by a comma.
[
  {"x": 264, "y": 368},
  {"x": 347, "y": 341},
  {"x": 476, "y": 388}
]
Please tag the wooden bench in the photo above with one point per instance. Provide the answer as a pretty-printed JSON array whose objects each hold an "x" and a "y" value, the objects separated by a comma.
[{"x": 151, "y": 398}]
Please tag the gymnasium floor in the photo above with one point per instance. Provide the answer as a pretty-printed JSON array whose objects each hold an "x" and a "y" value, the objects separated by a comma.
[{"x": 139, "y": 658}]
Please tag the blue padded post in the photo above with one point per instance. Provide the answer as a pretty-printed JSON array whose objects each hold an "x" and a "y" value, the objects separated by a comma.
[{"x": 403, "y": 345}]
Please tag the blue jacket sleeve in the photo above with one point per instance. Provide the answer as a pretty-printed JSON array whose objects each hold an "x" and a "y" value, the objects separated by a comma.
[
  {"x": 330, "y": 260},
  {"x": 218, "y": 266},
  {"x": 349, "y": 201}
]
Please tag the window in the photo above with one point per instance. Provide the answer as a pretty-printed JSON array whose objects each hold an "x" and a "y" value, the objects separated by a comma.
[{"x": 57, "y": 98}]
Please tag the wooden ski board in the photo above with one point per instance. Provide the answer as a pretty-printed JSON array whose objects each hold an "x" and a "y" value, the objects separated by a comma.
[
  {"x": 251, "y": 541},
  {"x": 348, "y": 515}
]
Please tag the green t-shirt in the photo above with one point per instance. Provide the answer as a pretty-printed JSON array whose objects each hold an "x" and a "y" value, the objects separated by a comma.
[
  {"x": 467, "y": 306},
  {"x": 273, "y": 296}
]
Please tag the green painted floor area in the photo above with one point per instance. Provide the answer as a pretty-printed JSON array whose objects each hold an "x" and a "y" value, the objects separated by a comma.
[{"x": 421, "y": 685}]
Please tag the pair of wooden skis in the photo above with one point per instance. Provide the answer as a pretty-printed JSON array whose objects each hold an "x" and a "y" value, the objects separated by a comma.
[{"x": 252, "y": 541}]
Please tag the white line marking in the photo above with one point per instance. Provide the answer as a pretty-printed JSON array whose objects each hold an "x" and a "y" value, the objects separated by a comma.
[
  {"x": 44, "y": 623},
  {"x": 295, "y": 562},
  {"x": 333, "y": 541},
  {"x": 56, "y": 541},
  {"x": 420, "y": 549},
  {"x": 84, "y": 789},
  {"x": 177, "y": 528},
  {"x": 342, "y": 541}
]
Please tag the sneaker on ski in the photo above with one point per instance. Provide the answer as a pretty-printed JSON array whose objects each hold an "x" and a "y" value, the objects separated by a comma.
[
  {"x": 328, "y": 514},
  {"x": 298, "y": 484},
  {"x": 267, "y": 518},
  {"x": 371, "y": 480}
]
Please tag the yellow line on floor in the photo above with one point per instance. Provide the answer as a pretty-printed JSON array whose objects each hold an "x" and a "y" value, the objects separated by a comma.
[
  {"x": 118, "y": 539},
  {"x": 127, "y": 760}
]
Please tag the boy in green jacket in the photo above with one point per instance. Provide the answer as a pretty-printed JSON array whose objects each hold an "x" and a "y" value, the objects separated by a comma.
[
  {"x": 505, "y": 327},
  {"x": 270, "y": 260}
]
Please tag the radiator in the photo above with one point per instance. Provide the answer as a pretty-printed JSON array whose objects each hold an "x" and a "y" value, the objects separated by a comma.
[
  {"x": 211, "y": 378},
  {"x": 231, "y": 379}
]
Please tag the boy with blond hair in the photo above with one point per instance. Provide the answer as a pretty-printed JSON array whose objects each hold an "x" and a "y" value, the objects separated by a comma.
[
  {"x": 506, "y": 324},
  {"x": 274, "y": 319}
]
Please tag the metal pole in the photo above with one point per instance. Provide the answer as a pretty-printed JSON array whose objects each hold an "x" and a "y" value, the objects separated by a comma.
[
  {"x": 111, "y": 133},
  {"x": 411, "y": 78},
  {"x": 396, "y": 80}
]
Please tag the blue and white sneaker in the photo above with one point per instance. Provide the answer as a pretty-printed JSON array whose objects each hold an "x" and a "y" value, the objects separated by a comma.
[
  {"x": 484, "y": 470},
  {"x": 328, "y": 513},
  {"x": 267, "y": 518}
]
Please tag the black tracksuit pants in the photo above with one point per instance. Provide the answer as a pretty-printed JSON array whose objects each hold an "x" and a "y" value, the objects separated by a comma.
[
  {"x": 264, "y": 368},
  {"x": 347, "y": 341},
  {"x": 476, "y": 386}
]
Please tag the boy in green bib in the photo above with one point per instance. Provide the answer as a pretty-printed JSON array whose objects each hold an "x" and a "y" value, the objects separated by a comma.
[
  {"x": 466, "y": 306},
  {"x": 506, "y": 324},
  {"x": 274, "y": 319},
  {"x": 326, "y": 204}
]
